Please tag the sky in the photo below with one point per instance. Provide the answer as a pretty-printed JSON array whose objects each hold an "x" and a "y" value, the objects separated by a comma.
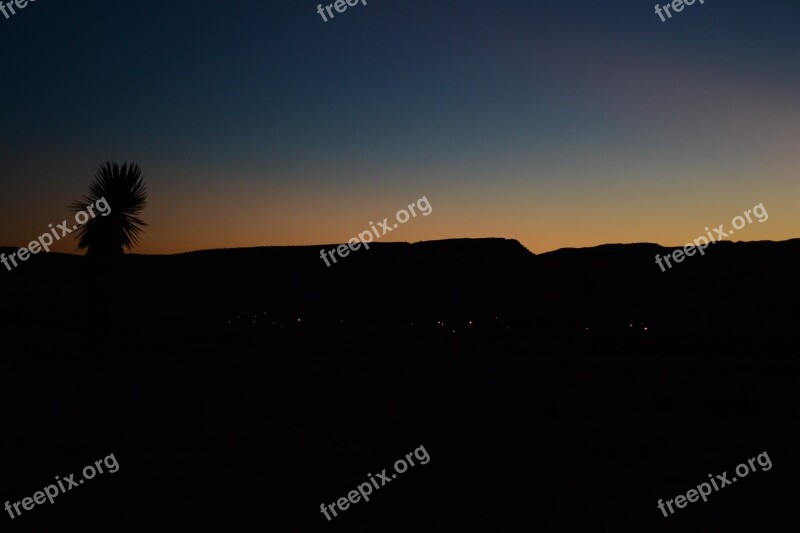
[{"x": 256, "y": 123}]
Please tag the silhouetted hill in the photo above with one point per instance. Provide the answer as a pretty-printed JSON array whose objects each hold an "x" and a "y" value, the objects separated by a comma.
[
  {"x": 588, "y": 373},
  {"x": 611, "y": 291}
]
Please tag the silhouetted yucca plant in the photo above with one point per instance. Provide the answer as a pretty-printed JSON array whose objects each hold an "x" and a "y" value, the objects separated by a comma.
[{"x": 124, "y": 192}]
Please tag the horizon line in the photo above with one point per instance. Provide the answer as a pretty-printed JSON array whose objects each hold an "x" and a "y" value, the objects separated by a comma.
[{"x": 328, "y": 245}]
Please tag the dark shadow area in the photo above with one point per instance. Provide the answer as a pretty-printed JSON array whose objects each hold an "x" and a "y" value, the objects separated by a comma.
[{"x": 247, "y": 387}]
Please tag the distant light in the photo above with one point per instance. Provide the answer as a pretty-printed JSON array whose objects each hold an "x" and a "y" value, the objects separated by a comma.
[
  {"x": 470, "y": 322},
  {"x": 645, "y": 328}
]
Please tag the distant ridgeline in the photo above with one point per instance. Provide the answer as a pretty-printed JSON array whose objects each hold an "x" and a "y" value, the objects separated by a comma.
[{"x": 463, "y": 294}]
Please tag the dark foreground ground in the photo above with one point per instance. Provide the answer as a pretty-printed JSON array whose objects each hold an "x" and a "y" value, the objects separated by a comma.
[{"x": 219, "y": 436}]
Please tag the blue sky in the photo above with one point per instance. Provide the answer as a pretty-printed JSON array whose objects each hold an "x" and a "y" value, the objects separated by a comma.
[{"x": 256, "y": 123}]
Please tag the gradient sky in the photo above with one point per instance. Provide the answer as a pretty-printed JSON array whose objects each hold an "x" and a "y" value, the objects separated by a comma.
[{"x": 557, "y": 123}]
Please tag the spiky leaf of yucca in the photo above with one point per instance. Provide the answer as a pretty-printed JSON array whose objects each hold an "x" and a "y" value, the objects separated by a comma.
[{"x": 124, "y": 192}]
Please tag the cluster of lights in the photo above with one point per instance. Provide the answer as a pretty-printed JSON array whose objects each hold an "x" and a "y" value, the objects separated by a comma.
[
  {"x": 246, "y": 318},
  {"x": 630, "y": 325},
  {"x": 253, "y": 318}
]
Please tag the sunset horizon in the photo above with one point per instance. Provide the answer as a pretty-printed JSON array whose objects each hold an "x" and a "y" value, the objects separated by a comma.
[
  {"x": 358, "y": 265},
  {"x": 553, "y": 130}
]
